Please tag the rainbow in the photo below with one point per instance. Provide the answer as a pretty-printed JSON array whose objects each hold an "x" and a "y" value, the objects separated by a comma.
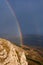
[{"x": 13, "y": 13}]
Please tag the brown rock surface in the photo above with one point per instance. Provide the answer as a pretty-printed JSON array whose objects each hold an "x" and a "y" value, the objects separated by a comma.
[{"x": 11, "y": 54}]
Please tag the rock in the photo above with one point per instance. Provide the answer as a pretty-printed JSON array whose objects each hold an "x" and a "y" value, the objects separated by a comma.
[{"x": 11, "y": 54}]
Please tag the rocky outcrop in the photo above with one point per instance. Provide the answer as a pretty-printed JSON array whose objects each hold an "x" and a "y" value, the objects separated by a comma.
[{"x": 11, "y": 54}]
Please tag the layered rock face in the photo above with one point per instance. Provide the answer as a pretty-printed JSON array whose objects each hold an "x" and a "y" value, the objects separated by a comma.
[{"x": 11, "y": 54}]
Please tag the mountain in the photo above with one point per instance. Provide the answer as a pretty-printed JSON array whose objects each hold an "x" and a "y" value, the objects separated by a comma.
[
  {"x": 12, "y": 38},
  {"x": 29, "y": 40},
  {"x": 33, "y": 40}
]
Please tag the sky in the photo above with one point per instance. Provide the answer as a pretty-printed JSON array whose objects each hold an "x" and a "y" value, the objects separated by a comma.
[
  {"x": 8, "y": 21},
  {"x": 29, "y": 14}
]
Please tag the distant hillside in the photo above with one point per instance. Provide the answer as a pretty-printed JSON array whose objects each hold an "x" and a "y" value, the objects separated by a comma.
[
  {"x": 13, "y": 39},
  {"x": 34, "y": 40}
]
